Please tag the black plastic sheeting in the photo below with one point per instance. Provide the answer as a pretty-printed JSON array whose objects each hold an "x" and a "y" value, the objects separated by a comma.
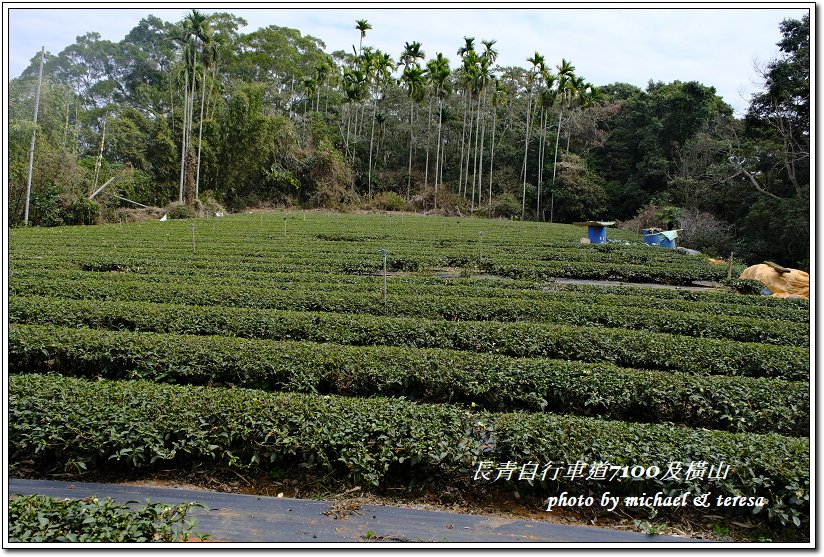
[{"x": 238, "y": 518}]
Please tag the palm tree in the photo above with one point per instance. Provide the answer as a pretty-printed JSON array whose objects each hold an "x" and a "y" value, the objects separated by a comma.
[
  {"x": 413, "y": 79},
  {"x": 209, "y": 54},
  {"x": 186, "y": 50},
  {"x": 438, "y": 70},
  {"x": 195, "y": 35},
  {"x": 486, "y": 75},
  {"x": 321, "y": 74},
  {"x": 536, "y": 61},
  {"x": 470, "y": 75},
  {"x": 411, "y": 53},
  {"x": 310, "y": 86},
  {"x": 382, "y": 65},
  {"x": 545, "y": 100},
  {"x": 363, "y": 26},
  {"x": 565, "y": 93},
  {"x": 355, "y": 87},
  {"x": 463, "y": 52},
  {"x": 499, "y": 96}
]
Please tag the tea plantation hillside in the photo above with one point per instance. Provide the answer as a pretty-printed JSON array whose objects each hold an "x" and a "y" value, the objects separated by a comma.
[{"x": 264, "y": 342}]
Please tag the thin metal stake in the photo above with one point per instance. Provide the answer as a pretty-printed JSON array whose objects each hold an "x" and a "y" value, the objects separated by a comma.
[
  {"x": 383, "y": 253},
  {"x": 480, "y": 248},
  {"x": 284, "y": 227}
]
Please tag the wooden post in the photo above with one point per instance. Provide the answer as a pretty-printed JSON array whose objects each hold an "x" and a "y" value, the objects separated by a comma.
[
  {"x": 194, "y": 247},
  {"x": 729, "y": 268},
  {"x": 480, "y": 248},
  {"x": 33, "y": 135},
  {"x": 284, "y": 227}
]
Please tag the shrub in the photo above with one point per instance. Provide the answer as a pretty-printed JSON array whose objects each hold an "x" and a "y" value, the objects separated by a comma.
[
  {"x": 389, "y": 201},
  {"x": 746, "y": 286},
  {"x": 179, "y": 210},
  {"x": 209, "y": 204},
  {"x": 491, "y": 381},
  {"x": 138, "y": 424},
  {"x": 704, "y": 232},
  {"x": 39, "y": 518},
  {"x": 506, "y": 206},
  {"x": 79, "y": 209}
]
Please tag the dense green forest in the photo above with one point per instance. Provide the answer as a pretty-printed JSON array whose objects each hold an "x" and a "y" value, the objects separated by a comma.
[{"x": 196, "y": 114}]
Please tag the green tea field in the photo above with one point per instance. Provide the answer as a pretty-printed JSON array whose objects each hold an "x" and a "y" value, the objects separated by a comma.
[{"x": 264, "y": 343}]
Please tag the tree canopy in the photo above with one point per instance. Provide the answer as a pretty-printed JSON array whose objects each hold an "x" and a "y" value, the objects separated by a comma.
[{"x": 179, "y": 111}]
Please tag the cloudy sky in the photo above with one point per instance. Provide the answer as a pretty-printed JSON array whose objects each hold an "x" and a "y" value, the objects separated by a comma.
[{"x": 717, "y": 47}]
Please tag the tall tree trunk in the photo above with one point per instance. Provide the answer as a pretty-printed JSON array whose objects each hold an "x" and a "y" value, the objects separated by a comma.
[
  {"x": 468, "y": 145},
  {"x": 291, "y": 95},
  {"x": 76, "y": 127},
  {"x": 99, "y": 161},
  {"x": 66, "y": 127},
  {"x": 463, "y": 141},
  {"x": 183, "y": 141},
  {"x": 371, "y": 139},
  {"x": 443, "y": 158},
  {"x": 481, "y": 156},
  {"x": 189, "y": 187},
  {"x": 555, "y": 163},
  {"x": 475, "y": 149},
  {"x": 428, "y": 141},
  {"x": 526, "y": 150},
  {"x": 348, "y": 125},
  {"x": 355, "y": 135},
  {"x": 200, "y": 134},
  {"x": 411, "y": 141},
  {"x": 34, "y": 135},
  {"x": 492, "y": 155},
  {"x": 540, "y": 163},
  {"x": 171, "y": 105},
  {"x": 438, "y": 149},
  {"x": 209, "y": 103}
]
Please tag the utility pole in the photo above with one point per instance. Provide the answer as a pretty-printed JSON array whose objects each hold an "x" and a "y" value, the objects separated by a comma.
[{"x": 33, "y": 135}]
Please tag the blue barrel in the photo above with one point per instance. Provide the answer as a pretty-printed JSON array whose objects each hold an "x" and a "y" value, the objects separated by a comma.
[
  {"x": 665, "y": 243},
  {"x": 597, "y": 234},
  {"x": 651, "y": 238}
]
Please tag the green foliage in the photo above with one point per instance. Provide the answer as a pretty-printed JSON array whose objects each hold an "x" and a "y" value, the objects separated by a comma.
[
  {"x": 135, "y": 424},
  {"x": 579, "y": 192},
  {"x": 45, "y": 207},
  {"x": 42, "y": 519},
  {"x": 81, "y": 210},
  {"x": 506, "y": 206},
  {"x": 544, "y": 310},
  {"x": 489, "y": 381},
  {"x": 745, "y": 286},
  {"x": 668, "y": 215},
  {"x": 285, "y": 123},
  {"x": 592, "y": 344},
  {"x": 181, "y": 211},
  {"x": 454, "y": 368},
  {"x": 388, "y": 201}
]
